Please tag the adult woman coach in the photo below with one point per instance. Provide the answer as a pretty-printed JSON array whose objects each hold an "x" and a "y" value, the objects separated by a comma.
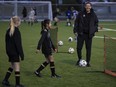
[{"x": 86, "y": 24}]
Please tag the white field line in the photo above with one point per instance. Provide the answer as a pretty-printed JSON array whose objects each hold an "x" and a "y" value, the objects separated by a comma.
[
  {"x": 108, "y": 24},
  {"x": 106, "y": 29},
  {"x": 101, "y": 37}
]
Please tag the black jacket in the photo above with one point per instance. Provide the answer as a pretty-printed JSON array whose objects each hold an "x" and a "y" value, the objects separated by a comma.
[
  {"x": 55, "y": 14},
  {"x": 80, "y": 26},
  {"x": 14, "y": 44},
  {"x": 46, "y": 42}
]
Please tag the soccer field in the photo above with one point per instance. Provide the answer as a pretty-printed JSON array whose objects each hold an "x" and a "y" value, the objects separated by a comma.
[{"x": 72, "y": 76}]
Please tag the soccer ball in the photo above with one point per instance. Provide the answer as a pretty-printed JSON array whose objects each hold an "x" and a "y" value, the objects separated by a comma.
[
  {"x": 71, "y": 50},
  {"x": 82, "y": 63},
  {"x": 70, "y": 39},
  {"x": 60, "y": 43},
  {"x": 69, "y": 24}
]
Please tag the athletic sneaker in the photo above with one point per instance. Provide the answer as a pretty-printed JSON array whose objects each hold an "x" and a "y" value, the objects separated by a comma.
[
  {"x": 55, "y": 76},
  {"x": 5, "y": 83},
  {"x": 38, "y": 74},
  {"x": 19, "y": 85}
]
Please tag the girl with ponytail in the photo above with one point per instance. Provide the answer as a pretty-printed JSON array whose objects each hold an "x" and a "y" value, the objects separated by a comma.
[
  {"x": 14, "y": 51},
  {"x": 11, "y": 27},
  {"x": 46, "y": 45}
]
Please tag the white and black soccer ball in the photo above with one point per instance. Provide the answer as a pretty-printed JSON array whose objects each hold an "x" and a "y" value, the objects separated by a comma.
[
  {"x": 82, "y": 63},
  {"x": 71, "y": 50},
  {"x": 69, "y": 24},
  {"x": 70, "y": 39},
  {"x": 60, "y": 43}
]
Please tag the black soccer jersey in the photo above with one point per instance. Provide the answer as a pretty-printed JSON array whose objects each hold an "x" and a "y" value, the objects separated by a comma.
[
  {"x": 46, "y": 42},
  {"x": 14, "y": 44}
]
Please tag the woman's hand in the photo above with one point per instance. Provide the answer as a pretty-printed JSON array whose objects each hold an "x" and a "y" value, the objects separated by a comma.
[
  {"x": 37, "y": 51},
  {"x": 75, "y": 34}
]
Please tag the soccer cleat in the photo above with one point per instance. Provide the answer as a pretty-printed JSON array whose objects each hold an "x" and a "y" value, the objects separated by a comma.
[
  {"x": 55, "y": 76},
  {"x": 38, "y": 74},
  {"x": 19, "y": 85},
  {"x": 5, "y": 83},
  {"x": 77, "y": 64},
  {"x": 88, "y": 65}
]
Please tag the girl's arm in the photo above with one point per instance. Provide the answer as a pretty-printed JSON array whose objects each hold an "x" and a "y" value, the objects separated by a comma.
[
  {"x": 41, "y": 40},
  {"x": 18, "y": 43},
  {"x": 53, "y": 47}
]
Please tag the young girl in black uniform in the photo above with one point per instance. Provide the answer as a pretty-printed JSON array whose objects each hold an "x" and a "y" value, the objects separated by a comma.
[
  {"x": 14, "y": 51},
  {"x": 47, "y": 46}
]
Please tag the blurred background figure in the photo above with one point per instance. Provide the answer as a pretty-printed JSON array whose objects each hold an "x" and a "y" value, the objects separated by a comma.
[
  {"x": 55, "y": 16},
  {"x": 31, "y": 17},
  {"x": 69, "y": 16},
  {"x": 106, "y": 0},
  {"x": 74, "y": 14},
  {"x": 35, "y": 14},
  {"x": 24, "y": 13}
]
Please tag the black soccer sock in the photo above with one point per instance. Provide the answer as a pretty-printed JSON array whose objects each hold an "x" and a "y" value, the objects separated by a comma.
[
  {"x": 55, "y": 23},
  {"x": 31, "y": 23},
  {"x": 17, "y": 77},
  {"x": 52, "y": 67},
  {"x": 28, "y": 22},
  {"x": 8, "y": 74},
  {"x": 43, "y": 65}
]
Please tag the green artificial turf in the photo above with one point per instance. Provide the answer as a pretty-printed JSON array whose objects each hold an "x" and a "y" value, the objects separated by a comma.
[{"x": 72, "y": 76}]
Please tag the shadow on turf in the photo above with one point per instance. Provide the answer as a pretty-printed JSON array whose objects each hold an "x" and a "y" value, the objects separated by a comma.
[
  {"x": 71, "y": 62},
  {"x": 99, "y": 72},
  {"x": 7, "y": 86},
  {"x": 62, "y": 52},
  {"x": 94, "y": 71},
  {"x": 29, "y": 73}
]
